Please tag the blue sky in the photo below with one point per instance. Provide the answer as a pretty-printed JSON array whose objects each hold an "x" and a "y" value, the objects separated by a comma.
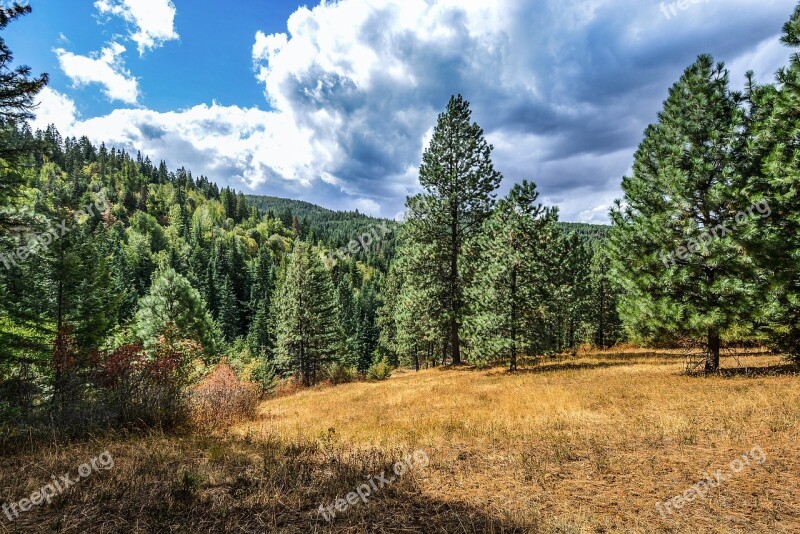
[
  {"x": 211, "y": 59},
  {"x": 334, "y": 102}
]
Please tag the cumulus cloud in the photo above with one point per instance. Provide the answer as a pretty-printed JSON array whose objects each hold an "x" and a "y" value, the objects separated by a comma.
[
  {"x": 105, "y": 68},
  {"x": 54, "y": 108},
  {"x": 563, "y": 89},
  {"x": 152, "y": 21}
]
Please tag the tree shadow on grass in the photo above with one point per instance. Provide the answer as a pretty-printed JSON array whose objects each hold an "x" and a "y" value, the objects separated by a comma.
[
  {"x": 567, "y": 366},
  {"x": 787, "y": 369},
  {"x": 201, "y": 484}
]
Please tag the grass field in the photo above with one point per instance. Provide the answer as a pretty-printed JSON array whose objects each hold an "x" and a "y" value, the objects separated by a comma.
[{"x": 585, "y": 444}]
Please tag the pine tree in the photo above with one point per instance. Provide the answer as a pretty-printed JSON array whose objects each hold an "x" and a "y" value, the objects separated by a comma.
[
  {"x": 18, "y": 90},
  {"x": 308, "y": 333},
  {"x": 260, "y": 337},
  {"x": 366, "y": 304},
  {"x": 773, "y": 162},
  {"x": 385, "y": 320},
  {"x": 17, "y": 87},
  {"x": 606, "y": 327},
  {"x": 569, "y": 301},
  {"x": 348, "y": 316},
  {"x": 683, "y": 275},
  {"x": 173, "y": 301},
  {"x": 228, "y": 312},
  {"x": 459, "y": 178},
  {"x": 509, "y": 292},
  {"x": 420, "y": 321}
]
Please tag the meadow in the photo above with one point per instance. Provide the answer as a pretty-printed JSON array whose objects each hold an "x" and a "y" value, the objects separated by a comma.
[{"x": 578, "y": 444}]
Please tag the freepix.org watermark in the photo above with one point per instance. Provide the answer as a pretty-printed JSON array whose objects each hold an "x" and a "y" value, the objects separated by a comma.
[
  {"x": 701, "y": 488},
  {"x": 375, "y": 484},
  {"x": 693, "y": 246},
  {"x": 362, "y": 243},
  {"x": 40, "y": 242},
  {"x": 59, "y": 485},
  {"x": 670, "y": 9}
]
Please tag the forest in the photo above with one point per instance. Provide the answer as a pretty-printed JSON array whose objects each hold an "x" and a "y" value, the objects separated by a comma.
[
  {"x": 247, "y": 361},
  {"x": 172, "y": 270}
]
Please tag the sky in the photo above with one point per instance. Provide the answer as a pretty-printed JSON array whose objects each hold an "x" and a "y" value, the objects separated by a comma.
[{"x": 334, "y": 102}]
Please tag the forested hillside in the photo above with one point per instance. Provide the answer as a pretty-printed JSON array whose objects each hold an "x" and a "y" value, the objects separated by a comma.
[
  {"x": 102, "y": 239},
  {"x": 123, "y": 283},
  {"x": 111, "y": 262}
]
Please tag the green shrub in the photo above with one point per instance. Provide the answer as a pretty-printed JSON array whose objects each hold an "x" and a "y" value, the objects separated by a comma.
[
  {"x": 379, "y": 371},
  {"x": 339, "y": 373}
]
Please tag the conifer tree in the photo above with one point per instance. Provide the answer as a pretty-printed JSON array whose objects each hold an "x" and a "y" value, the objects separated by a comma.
[
  {"x": 307, "y": 332},
  {"x": 460, "y": 180},
  {"x": 261, "y": 336},
  {"x": 509, "y": 293},
  {"x": 18, "y": 89},
  {"x": 773, "y": 162},
  {"x": 173, "y": 301},
  {"x": 606, "y": 327},
  {"x": 672, "y": 250}
]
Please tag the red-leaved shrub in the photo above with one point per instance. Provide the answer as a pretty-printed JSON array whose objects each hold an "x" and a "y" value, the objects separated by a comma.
[{"x": 222, "y": 399}]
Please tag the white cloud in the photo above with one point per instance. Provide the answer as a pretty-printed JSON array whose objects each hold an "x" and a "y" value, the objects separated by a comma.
[
  {"x": 152, "y": 21},
  {"x": 105, "y": 68},
  {"x": 368, "y": 206},
  {"x": 54, "y": 108},
  {"x": 563, "y": 88}
]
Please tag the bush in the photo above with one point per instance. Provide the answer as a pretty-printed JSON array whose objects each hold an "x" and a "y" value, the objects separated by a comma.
[
  {"x": 257, "y": 369},
  {"x": 222, "y": 399},
  {"x": 379, "y": 371},
  {"x": 150, "y": 389},
  {"x": 339, "y": 373}
]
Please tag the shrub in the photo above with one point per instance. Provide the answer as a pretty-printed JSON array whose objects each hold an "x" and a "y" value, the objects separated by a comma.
[
  {"x": 222, "y": 399},
  {"x": 150, "y": 389},
  {"x": 338, "y": 373},
  {"x": 379, "y": 371},
  {"x": 263, "y": 373}
]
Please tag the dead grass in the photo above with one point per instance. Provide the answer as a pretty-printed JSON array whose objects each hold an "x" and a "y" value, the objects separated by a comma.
[{"x": 585, "y": 444}]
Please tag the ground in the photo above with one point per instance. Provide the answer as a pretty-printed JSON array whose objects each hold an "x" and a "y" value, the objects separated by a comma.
[{"x": 581, "y": 444}]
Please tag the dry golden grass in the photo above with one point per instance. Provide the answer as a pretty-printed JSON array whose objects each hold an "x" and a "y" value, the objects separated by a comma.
[{"x": 587, "y": 444}]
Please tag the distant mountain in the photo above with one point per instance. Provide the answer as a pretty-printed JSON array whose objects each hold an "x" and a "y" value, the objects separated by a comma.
[
  {"x": 337, "y": 228},
  {"x": 333, "y": 228}
]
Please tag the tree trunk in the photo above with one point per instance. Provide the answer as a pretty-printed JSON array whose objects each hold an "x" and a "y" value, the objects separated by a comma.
[
  {"x": 455, "y": 341},
  {"x": 712, "y": 360},
  {"x": 513, "y": 366},
  {"x": 455, "y": 296},
  {"x": 602, "y": 330}
]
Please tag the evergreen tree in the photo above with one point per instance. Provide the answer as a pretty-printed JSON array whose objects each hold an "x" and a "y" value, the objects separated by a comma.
[
  {"x": 773, "y": 161},
  {"x": 260, "y": 338},
  {"x": 228, "y": 312},
  {"x": 366, "y": 304},
  {"x": 606, "y": 327},
  {"x": 308, "y": 332},
  {"x": 509, "y": 293},
  {"x": 18, "y": 90},
  {"x": 173, "y": 301},
  {"x": 570, "y": 297},
  {"x": 348, "y": 315},
  {"x": 459, "y": 178},
  {"x": 683, "y": 275}
]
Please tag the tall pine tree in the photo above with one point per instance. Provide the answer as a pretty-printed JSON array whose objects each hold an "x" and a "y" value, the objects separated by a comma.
[
  {"x": 510, "y": 290},
  {"x": 460, "y": 180},
  {"x": 672, "y": 246}
]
